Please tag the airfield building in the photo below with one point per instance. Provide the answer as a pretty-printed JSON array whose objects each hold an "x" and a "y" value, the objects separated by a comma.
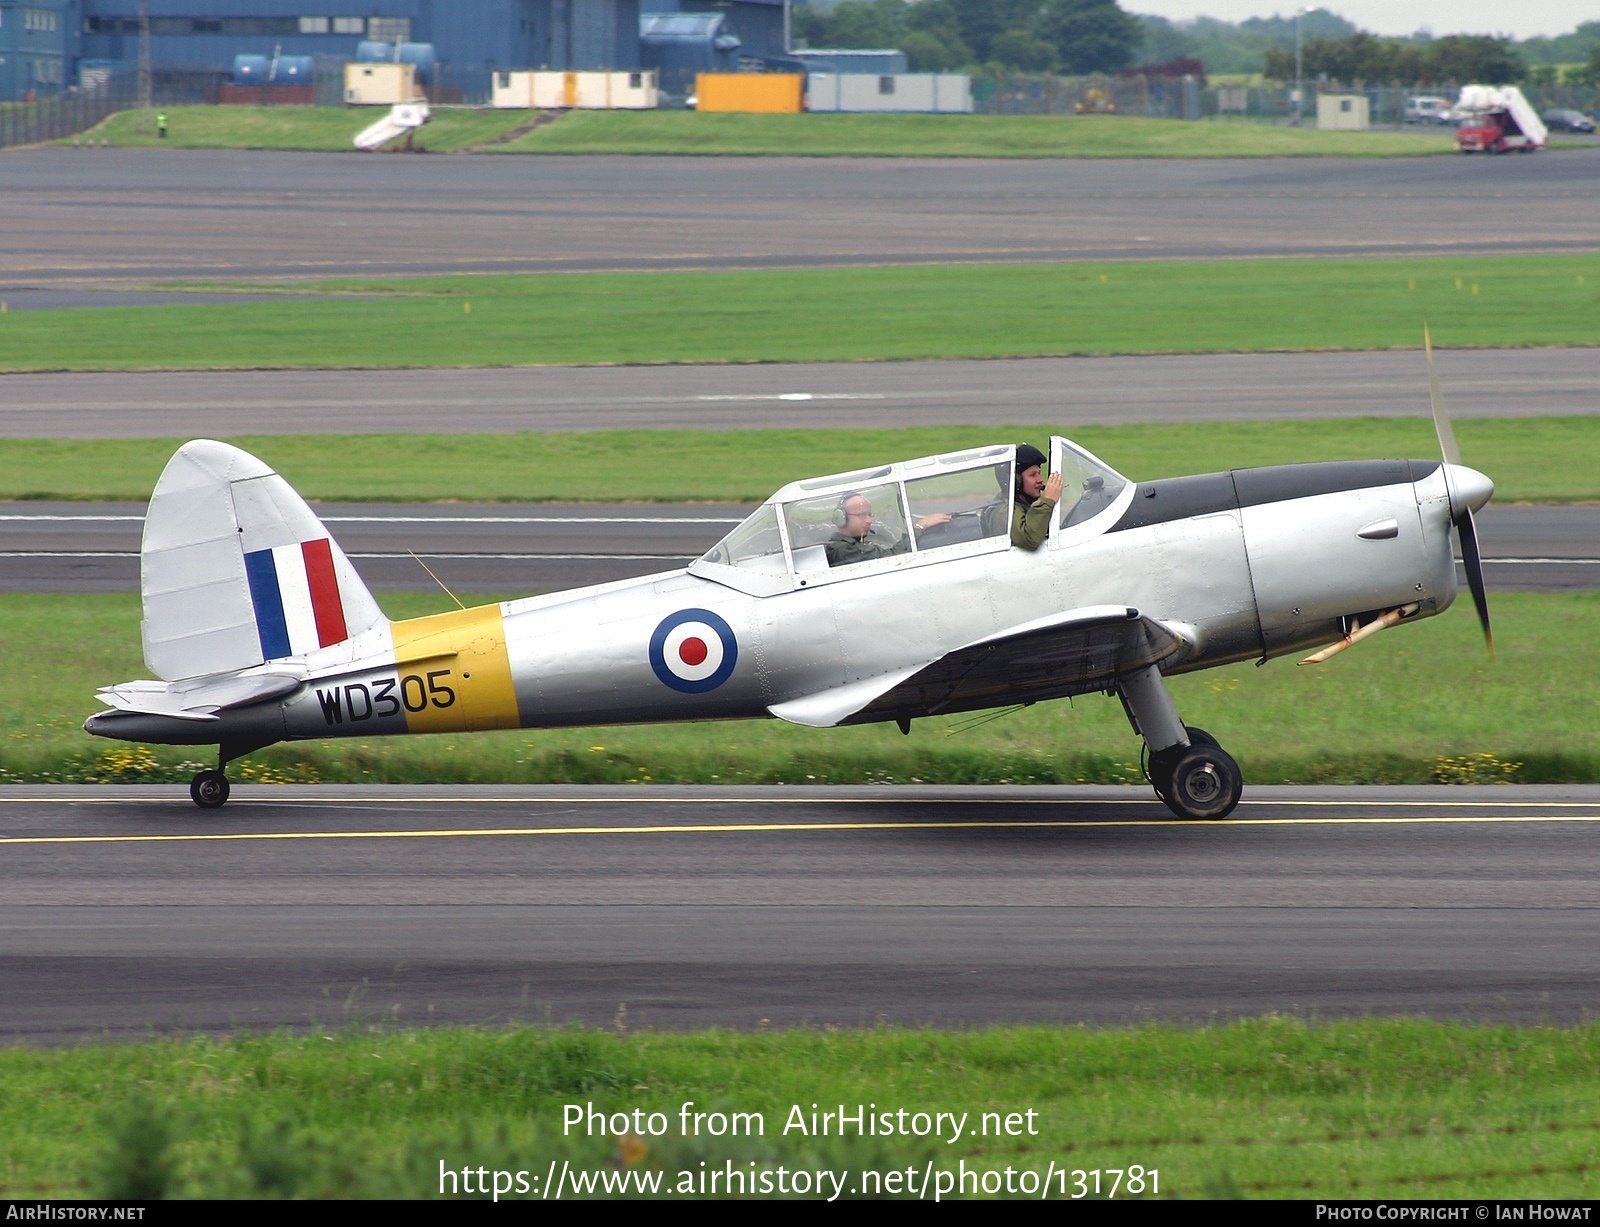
[
  {"x": 37, "y": 47},
  {"x": 46, "y": 45}
]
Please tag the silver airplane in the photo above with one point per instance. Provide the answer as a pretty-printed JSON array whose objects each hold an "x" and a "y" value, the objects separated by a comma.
[{"x": 261, "y": 631}]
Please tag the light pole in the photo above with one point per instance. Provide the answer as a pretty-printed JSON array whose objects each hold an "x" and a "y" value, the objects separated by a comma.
[
  {"x": 144, "y": 55},
  {"x": 1299, "y": 75}
]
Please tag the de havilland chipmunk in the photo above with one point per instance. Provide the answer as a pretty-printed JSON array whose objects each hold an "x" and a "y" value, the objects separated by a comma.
[{"x": 887, "y": 594}]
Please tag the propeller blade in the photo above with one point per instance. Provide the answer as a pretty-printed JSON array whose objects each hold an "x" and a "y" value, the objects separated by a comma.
[
  {"x": 1441, "y": 419},
  {"x": 1468, "y": 532}
]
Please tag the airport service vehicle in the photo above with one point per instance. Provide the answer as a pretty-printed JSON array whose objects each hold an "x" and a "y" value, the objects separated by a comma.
[
  {"x": 402, "y": 120},
  {"x": 1567, "y": 121},
  {"x": 260, "y": 631},
  {"x": 1497, "y": 119},
  {"x": 1426, "y": 110},
  {"x": 1095, "y": 102}
]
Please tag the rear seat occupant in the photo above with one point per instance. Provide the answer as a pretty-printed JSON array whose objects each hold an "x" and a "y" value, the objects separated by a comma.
[{"x": 858, "y": 537}]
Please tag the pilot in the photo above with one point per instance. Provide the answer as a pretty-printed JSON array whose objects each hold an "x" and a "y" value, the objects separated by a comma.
[
  {"x": 1034, "y": 499},
  {"x": 858, "y": 538}
]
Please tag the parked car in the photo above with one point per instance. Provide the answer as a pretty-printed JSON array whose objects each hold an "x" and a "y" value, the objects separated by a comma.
[
  {"x": 1425, "y": 110},
  {"x": 1567, "y": 121}
]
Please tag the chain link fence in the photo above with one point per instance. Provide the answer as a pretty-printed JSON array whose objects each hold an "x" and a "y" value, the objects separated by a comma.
[
  {"x": 1188, "y": 98},
  {"x": 1048, "y": 94},
  {"x": 67, "y": 113},
  {"x": 1387, "y": 103}
]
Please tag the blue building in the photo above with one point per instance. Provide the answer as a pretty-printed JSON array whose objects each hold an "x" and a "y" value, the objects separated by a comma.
[
  {"x": 758, "y": 24},
  {"x": 38, "y": 46},
  {"x": 44, "y": 42},
  {"x": 679, "y": 45},
  {"x": 680, "y": 38}
]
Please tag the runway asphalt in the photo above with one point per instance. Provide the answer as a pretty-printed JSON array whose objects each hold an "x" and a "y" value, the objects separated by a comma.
[
  {"x": 1060, "y": 391},
  {"x": 127, "y": 910},
  {"x": 543, "y": 547},
  {"x": 107, "y": 218}
]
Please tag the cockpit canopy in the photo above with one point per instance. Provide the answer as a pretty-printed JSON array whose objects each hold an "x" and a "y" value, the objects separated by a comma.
[{"x": 928, "y": 509}]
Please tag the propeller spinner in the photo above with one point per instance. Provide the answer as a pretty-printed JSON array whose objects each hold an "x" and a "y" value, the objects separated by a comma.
[{"x": 1468, "y": 489}]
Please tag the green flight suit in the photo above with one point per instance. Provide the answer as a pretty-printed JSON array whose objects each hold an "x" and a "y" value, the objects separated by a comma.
[
  {"x": 1030, "y": 523},
  {"x": 843, "y": 550}
]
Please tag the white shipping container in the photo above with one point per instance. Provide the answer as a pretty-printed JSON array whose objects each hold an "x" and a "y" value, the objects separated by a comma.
[
  {"x": 598, "y": 91},
  {"x": 1342, "y": 112},
  {"x": 380, "y": 84},
  {"x": 900, "y": 91},
  {"x": 512, "y": 90}
]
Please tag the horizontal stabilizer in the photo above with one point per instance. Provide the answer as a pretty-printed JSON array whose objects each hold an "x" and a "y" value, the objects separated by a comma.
[
  {"x": 1077, "y": 652},
  {"x": 190, "y": 701}
]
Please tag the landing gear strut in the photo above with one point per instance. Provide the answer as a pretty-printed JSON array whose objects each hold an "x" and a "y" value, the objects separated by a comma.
[
  {"x": 1190, "y": 772},
  {"x": 209, "y": 789}
]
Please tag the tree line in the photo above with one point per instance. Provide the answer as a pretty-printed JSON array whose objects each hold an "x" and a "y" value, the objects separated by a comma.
[
  {"x": 1070, "y": 36},
  {"x": 1366, "y": 57},
  {"x": 1097, "y": 36}
]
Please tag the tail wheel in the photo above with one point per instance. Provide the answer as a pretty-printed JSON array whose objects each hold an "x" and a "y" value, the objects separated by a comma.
[
  {"x": 209, "y": 789},
  {"x": 1205, "y": 783}
]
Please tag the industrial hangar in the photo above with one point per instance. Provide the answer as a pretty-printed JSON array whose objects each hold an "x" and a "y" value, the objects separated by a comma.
[{"x": 48, "y": 45}]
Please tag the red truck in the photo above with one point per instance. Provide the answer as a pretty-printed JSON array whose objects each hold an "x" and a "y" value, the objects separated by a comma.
[{"x": 1497, "y": 119}]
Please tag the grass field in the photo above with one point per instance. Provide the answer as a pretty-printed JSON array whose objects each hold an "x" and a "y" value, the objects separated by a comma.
[
  {"x": 940, "y": 311},
  {"x": 966, "y": 136},
  {"x": 1273, "y": 1108},
  {"x": 1530, "y": 459},
  {"x": 327, "y": 129},
  {"x": 687, "y": 132},
  {"x": 1336, "y": 723}
]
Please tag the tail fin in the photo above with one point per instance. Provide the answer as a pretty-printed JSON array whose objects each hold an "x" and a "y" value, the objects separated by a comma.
[{"x": 236, "y": 570}]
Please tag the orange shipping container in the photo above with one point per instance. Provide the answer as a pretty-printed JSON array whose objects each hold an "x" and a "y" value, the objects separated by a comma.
[{"x": 749, "y": 91}]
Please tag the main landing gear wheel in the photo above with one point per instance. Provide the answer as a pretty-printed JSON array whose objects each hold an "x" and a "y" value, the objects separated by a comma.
[
  {"x": 1159, "y": 772},
  {"x": 209, "y": 789},
  {"x": 1203, "y": 782},
  {"x": 1191, "y": 773}
]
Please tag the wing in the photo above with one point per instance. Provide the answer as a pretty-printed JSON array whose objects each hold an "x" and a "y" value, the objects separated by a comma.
[{"x": 1077, "y": 652}]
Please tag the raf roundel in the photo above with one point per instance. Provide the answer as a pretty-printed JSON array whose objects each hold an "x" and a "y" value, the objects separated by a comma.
[{"x": 693, "y": 651}]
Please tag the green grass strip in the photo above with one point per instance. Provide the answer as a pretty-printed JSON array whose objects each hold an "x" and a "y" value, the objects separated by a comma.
[
  {"x": 1273, "y": 1107},
  {"x": 1472, "y": 720},
  {"x": 328, "y": 129},
  {"x": 956, "y": 136},
  {"x": 822, "y": 135},
  {"x": 811, "y": 315},
  {"x": 1530, "y": 459}
]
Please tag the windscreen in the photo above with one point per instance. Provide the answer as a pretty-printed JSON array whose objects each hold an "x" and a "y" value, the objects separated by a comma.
[
  {"x": 1087, "y": 487},
  {"x": 754, "y": 545}
]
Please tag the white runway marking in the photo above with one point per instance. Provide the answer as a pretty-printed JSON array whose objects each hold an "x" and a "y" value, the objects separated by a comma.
[{"x": 748, "y": 396}]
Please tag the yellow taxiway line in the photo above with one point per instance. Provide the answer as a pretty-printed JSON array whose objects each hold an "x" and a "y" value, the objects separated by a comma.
[{"x": 762, "y": 827}]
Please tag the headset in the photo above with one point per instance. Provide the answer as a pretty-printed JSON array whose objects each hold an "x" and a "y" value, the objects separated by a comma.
[{"x": 840, "y": 516}]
